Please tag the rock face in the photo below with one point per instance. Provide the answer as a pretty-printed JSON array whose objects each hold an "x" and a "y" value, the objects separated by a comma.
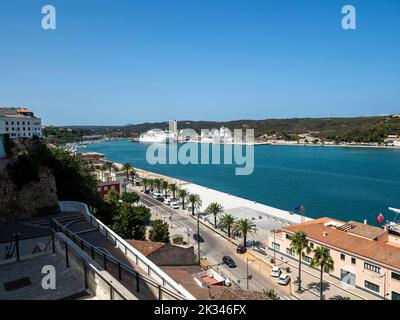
[{"x": 35, "y": 198}]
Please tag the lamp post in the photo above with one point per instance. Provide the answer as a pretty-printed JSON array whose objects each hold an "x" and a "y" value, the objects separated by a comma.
[
  {"x": 198, "y": 235},
  {"x": 248, "y": 277},
  {"x": 274, "y": 246},
  {"x": 16, "y": 239}
]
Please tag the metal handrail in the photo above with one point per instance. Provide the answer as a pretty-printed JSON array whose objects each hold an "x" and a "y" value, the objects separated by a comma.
[
  {"x": 96, "y": 271},
  {"x": 68, "y": 233}
]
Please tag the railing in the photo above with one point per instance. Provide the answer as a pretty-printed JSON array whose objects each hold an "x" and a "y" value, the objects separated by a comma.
[
  {"x": 114, "y": 266},
  {"x": 111, "y": 286},
  {"x": 140, "y": 260}
]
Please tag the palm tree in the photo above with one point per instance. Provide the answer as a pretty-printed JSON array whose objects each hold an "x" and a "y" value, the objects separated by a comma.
[
  {"x": 151, "y": 184},
  {"x": 157, "y": 185},
  {"x": 299, "y": 244},
  {"x": 146, "y": 183},
  {"x": 133, "y": 173},
  {"x": 107, "y": 166},
  {"x": 173, "y": 188},
  {"x": 195, "y": 201},
  {"x": 227, "y": 221},
  {"x": 323, "y": 259},
  {"x": 164, "y": 185},
  {"x": 183, "y": 194},
  {"x": 127, "y": 167},
  {"x": 215, "y": 209},
  {"x": 245, "y": 227}
]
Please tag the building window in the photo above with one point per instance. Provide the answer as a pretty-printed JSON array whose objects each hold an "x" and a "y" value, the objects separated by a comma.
[
  {"x": 395, "y": 296},
  {"x": 342, "y": 257},
  {"x": 371, "y": 267},
  {"x": 6, "y": 123},
  {"x": 290, "y": 252},
  {"x": 371, "y": 286},
  {"x": 311, "y": 245},
  {"x": 276, "y": 246},
  {"x": 395, "y": 276},
  {"x": 353, "y": 260},
  {"x": 288, "y": 236},
  {"x": 307, "y": 259}
]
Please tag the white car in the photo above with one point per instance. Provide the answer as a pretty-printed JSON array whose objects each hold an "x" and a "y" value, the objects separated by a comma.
[
  {"x": 156, "y": 195},
  {"x": 174, "y": 205},
  {"x": 167, "y": 201},
  {"x": 276, "y": 272},
  {"x": 283, "y": 279}
]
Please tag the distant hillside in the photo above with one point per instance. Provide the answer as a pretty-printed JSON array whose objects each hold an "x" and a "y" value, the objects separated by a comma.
[{"x": 357, "y": 129}]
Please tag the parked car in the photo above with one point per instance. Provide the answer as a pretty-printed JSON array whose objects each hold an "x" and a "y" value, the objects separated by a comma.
[
  {"x": 156, "y": 195},
  {"x": 198, "y": 238},
  {"x": 241, "y": 249},
  {"x": 146, "y": 191},
  {"x": 174, "y": 205},
  {"x": 167, "y": 201},
  {"x": 160, "y": 198},
  {"x": 229, "y": 262},
  {"x": 283, "y": 279},
  {"x": 276, "y": 272}
]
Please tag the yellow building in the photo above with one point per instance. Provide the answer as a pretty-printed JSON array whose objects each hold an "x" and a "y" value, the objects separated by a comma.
[{"x": 365, "y": 256}]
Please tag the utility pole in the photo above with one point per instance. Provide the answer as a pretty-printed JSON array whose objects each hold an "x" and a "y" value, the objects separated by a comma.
[{"x": 16, "y": 239}]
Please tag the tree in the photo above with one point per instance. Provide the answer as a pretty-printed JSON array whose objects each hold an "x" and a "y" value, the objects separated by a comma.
[
  {"x": 146, "y": 183},
  {"x": 173, "y": 188},
  {"x": 130, "y": 197},
  {"x": 227, "y": 221},
  {"x": 215, "y": 209},
  {"x": 299, "y": 244},
  {"x": 108, "y": 166},
  {"x": 195, "y": 201},
  {"x": 323, "y": 259},
  {"x": 151, "y": 184},
  {"x": 164, "y": 186},
  {"x": 159, "y": 231},
  {"x": 132, "y": 174},
  {"x": 113, "y": 197},
  {"x": 127, "y": 167},
  {"x": 245, "y": 227},
  {"x": 183, "y": 194},
  {"x": 157, "y": 185},
  {"x": 131, "y": 221}
]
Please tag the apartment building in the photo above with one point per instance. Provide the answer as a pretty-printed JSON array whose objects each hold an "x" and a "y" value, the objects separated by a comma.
[
  {"x": 19, "y": 123},
  {"x": 365, "y": 256}
]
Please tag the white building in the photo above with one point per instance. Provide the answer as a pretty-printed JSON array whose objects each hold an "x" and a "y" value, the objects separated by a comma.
[{"x": 19, "y": 123}]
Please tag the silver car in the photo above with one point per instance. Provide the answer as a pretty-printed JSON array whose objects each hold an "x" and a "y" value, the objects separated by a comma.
[{"x": 283, "y": 279}]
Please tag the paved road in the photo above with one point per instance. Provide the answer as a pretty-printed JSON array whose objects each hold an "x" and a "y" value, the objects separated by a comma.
[{"x": 214, "y": 248}]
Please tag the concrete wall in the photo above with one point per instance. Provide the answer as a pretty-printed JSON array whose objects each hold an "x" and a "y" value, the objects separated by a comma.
[{"x": 96, "y": 276}]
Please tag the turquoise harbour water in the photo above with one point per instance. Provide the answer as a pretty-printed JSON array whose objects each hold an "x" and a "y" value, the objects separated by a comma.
[{"x": 344, "y": 183}]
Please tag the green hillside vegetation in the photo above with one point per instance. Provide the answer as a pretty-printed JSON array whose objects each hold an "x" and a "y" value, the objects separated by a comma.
[{"x": 356, "y": 129}]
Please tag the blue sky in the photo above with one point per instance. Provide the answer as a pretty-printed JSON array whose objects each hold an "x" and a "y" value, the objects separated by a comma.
[{"x": 127, "y": 61}]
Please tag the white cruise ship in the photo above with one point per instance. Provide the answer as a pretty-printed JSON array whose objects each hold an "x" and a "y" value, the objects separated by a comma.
[{"x": 157, "y": 136}]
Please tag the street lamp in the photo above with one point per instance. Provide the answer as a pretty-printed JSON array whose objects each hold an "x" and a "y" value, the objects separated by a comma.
[
  {"x": 198, "y": 236},
  {"x": 274, "y": 245}
]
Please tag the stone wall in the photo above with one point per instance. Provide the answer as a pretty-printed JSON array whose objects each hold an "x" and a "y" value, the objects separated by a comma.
[{"x": 34, "y": 199}]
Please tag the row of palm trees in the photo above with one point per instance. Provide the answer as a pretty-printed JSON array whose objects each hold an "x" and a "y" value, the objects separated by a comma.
[
  {"x": 163, "y": 187},
  {"x": 130, "y": 172},
  {"x": 244, "y": 227},
  {"x": 322, "y": 258}
]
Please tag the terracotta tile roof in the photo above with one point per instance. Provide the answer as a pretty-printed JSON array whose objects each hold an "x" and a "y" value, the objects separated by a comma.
[
  {"x": 365, "y": 230},
  {"x": 374, "y": 250},
  {"x": 145, "y": 247}
]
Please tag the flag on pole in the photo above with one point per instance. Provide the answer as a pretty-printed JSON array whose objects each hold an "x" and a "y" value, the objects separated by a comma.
[{"x": 380, "y": 218}]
